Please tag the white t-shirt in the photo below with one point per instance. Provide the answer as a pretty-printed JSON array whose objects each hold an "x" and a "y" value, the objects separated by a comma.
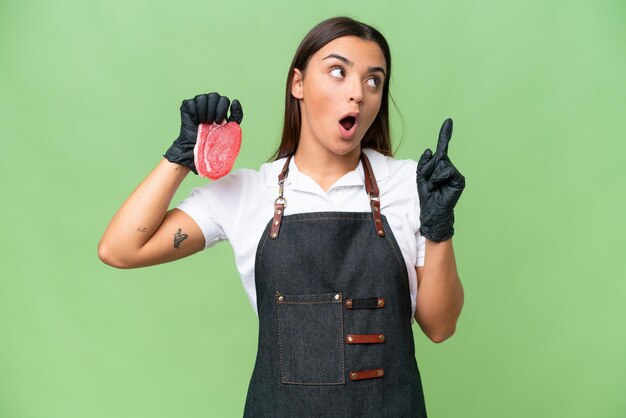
[{"x": 238, "y": 207}]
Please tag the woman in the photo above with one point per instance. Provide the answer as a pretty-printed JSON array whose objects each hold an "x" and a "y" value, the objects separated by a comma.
[{"x": 332, "y": 239}]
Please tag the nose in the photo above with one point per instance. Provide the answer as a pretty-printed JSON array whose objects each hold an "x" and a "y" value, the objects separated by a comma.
[{"x": 356, "y": 92}]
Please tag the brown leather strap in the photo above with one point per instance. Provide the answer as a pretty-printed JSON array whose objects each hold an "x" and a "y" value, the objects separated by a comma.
[
  {"x": 365, "y": 338},
  {"x": 366, "y": 374},
  {"x": 371, "y": 187},
  {"x": 280, "y": 203},
  {"x": 365, "y": 303}
]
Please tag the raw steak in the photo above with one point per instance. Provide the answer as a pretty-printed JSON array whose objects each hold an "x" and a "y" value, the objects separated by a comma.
[{"x": 216, "y": 149}]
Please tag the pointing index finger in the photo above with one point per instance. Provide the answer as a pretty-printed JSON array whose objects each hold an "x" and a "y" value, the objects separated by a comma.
[{"x": 444, "y": 138}]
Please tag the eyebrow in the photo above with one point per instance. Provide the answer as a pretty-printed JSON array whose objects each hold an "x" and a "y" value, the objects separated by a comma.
[{"x": 348, "y": 62}]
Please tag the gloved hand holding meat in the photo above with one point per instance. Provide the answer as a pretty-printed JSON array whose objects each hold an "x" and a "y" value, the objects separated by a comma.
[
  {"x": 439, "y": 186},
  {"x": 208, "y": 142}
]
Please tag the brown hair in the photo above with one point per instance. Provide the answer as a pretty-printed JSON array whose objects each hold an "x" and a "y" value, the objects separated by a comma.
[{"x": 377, "y": 136}]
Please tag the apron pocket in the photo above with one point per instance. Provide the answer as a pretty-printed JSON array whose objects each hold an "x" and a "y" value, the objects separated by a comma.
[{"x": 310, "y": 338}]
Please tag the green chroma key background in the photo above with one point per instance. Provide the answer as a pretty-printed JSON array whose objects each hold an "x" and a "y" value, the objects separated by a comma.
[{"x": 89, "y": 98}]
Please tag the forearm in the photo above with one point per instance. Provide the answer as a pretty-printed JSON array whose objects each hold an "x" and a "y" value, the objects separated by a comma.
[
  {"x": 143, "y": 211},
  {"x": 440, "y": 295}
]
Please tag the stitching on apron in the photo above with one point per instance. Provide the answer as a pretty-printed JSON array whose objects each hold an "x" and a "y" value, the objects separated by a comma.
[
  {"x": 306, "y": 303},
  {"x": 260, "y": 251},
  {"x": 343, "y": 345},
  {"x": 317, "y": 383},
  {"x": 326, "y": 217},
  {"x": 280, "y": 346},
  {"x": 400, "y": 261}
]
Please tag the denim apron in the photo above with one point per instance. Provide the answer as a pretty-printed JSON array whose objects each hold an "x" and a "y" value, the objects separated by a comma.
[{"x": 335, "y": 338}]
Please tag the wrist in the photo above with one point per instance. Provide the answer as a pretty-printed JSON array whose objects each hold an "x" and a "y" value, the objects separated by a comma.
[
  {"x": 437, "y": 233},
  {"x": 177, "y": 165}
]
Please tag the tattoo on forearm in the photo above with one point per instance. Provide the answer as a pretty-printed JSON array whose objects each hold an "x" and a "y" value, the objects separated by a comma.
[
  {"x": 141, "y": 229},
  {"x": 179, "y": 237}
]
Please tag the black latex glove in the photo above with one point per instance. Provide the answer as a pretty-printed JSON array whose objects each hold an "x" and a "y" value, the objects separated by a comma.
[
  {"x": 439, "y": 186},
  {"x": 203, "y": 108}
]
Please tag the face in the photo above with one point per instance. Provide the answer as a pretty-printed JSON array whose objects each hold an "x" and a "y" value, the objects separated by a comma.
[{"x": 339, "y": 94}]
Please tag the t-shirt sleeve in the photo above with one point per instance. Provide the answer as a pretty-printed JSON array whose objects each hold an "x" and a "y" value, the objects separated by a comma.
[
  {"x": 421, "y": 249},
  {"x": 198, "y": 205},
  {"x": 420, "y": 241}
]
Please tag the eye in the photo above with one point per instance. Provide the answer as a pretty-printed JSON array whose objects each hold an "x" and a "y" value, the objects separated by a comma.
[
  {"x": 337, "y": 72},
  {"x": 374, "y": 81}
]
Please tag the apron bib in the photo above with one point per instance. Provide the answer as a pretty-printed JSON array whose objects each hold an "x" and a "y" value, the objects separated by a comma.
[{"x": 333, "y": 298}]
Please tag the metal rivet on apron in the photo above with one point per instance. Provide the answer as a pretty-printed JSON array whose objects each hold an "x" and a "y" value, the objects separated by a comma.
[
  {"x": 337, "y": 297},
  {"x": 350, "y": 338},
  {"x": 275, "y": 222},
  {"x": 379, "y": 372},
  {"x": 377, "y": 221},
  {"x": 278, "y": 211},
  {"x": 274, "y": 235},
  {"x": 349, "y": 303},
  {"x": 381, "y": 302},
  {"x": 381, "y": 338},
  {"x": 380, "y": 231},
  {"x": 280, "y": 298},
  {"x": 375, "y": 209},
  {"x": 353, "y": 375}
]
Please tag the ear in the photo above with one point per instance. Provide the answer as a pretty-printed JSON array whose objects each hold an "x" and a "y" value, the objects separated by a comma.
[{"x": 296, "y": 84}]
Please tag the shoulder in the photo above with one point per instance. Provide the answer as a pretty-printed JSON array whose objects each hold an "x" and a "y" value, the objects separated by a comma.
[
  {"x": 245, "y": 179},
  {"x": 268, "y": 172},
  {"x": 240, "y": 185},
  {"x": 397, "y": 182},
  {"x": 390, "y": 171},
  {"x": 236, "y": 181}
]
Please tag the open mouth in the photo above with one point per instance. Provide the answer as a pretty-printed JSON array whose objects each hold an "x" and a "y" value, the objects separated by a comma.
[{"x": 348, "y": 122}]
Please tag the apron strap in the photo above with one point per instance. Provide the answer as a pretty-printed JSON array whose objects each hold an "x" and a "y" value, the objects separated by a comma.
[
  {"x": 371, "y": 187},
  {"x": 280, "y": 203}
]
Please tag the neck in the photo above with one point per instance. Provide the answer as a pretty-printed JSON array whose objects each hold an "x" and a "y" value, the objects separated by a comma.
[{"x": 324, "y": 166}]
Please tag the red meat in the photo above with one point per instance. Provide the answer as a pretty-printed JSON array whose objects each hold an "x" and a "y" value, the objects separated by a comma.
[{"x": 216, "y": 149}]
